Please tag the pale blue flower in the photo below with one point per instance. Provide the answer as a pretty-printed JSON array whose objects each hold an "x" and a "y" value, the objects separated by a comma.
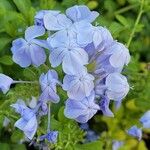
[
  {"x": 117, "y": 144},
  {"x": 79, "y": 85},
  {"x": 51, "y": 136},
  {"x": 67, "y": 52},
  {"x": 119, "y": 55},
  {"x": 29, "y": 50},
  {"x": 82, "y": 31},
  {"x": 117, "y": 86},
  {"x": 5, "y": 83},
  {"x": 57, "y": 22},
  {"x": 40, "y": 16},
  {"x": 104, "y": 106},
  {"x": 135, "y": 132},
  {"x": 103, "y": 67},
  {"x": 82, "y": 12},
  {"x": 28, "y": 122},
  {"x": 48, "y": 84},
  {"x": 81, "y": 110},
  {"x": 145, "y": 120},
  {"x": 102, "y": 38}
]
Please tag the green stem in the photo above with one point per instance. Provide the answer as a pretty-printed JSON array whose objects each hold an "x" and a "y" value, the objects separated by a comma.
[
  {"x": 49, "y": 117},
  {"x": 126, "y": 9},
  {"x": 30, "y": 82},
  {"x": 136, "y": 23}
]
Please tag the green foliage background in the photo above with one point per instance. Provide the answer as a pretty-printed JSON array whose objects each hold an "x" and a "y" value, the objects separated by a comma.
[{"x": 129, "y": 23}]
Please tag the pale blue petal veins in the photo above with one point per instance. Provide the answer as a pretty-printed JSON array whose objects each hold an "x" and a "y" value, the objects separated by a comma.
[
  {"x": 30, "y": 128},
  {"x": 48, "y": 84},
  {"x": 56, "y": 22},
  {"x": 59, "y": 39},
  {"x": 17, "y": 44},
  {"x": 41, "y": 43},
  {"x": 119, "y": 55},
  {"x": 83, "y": 31},
  {"x": 78, "y": 13},
  {"x": 117, "y": 86},
  {"x": 33, "y": 32},
  {"x": 74, "y": 60},
  {"x": 101, "y": 36},
  {"x": 38, "y": 19},
  {"x": 26, "y": 52},
  {"x": 74, "y": 109},
  {"x": 79, "y": 85},
  {"x": 56, "y": 56},
  {"x": 22, "y": 57},
  {"x": 81, "y": 110},
  {"x": 20, "y": 124},
  {"x": 37, "y": 55},
  {"x": 28, "y": 122}
]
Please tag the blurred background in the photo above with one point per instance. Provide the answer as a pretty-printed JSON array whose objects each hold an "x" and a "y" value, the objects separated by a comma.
[{"x": 120, "y": 17}]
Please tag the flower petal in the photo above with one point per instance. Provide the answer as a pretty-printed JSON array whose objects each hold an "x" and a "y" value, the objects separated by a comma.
[
  {"x": 56, "y": 56},
  {"x": 30, "y": 128},
  {"x": 33, "y": 32},
  {"x": 22, "y": 57},
  {"x": 78, "y": 13},
  {"x": 56, "y": 23},
  {"x": 74, "y": 109},
  {"x": 38, "y": 55},
  {"x": 21, "y": 123}
]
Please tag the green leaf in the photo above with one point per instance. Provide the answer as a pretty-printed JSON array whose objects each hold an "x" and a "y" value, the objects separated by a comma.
[
  {"x": 96, "y": 145},
  {"x": 15, "y": 28},
  {"x": 16, "y": 136},
  {"x": 4, "y": 146},
  {"x": 5, "y": 4},
  {"x": 61, "y": 116},
  {"x": 24, "y": 6},
  {"x": 116, "y": 28},
  {"x": 68, "y": 3},
  {"x": 18, "y": 147},
  {"x": 6, "y": 60},
  {"x": 82, "y": 2},
  {"x": 122, "y": 20},
  {"x": 3, "y": 42}
]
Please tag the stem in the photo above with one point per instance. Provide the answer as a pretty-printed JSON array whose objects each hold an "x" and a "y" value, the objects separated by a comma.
[
  {"x": 136, "y": 23},
  {"x": 126, "y": 9},
  {"x": 49, "y": 117},
  {"x": 31, "y": 82}
]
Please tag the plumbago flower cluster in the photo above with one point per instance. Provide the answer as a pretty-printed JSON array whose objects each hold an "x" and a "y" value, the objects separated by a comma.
[{"x": 91, "y": 59}]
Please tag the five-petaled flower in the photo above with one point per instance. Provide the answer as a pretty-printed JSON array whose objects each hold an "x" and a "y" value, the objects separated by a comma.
[
  {"x": 30, "y": 50},
  {"x": 81, "y": 110},
  {"x": 28, "y": 121}
]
